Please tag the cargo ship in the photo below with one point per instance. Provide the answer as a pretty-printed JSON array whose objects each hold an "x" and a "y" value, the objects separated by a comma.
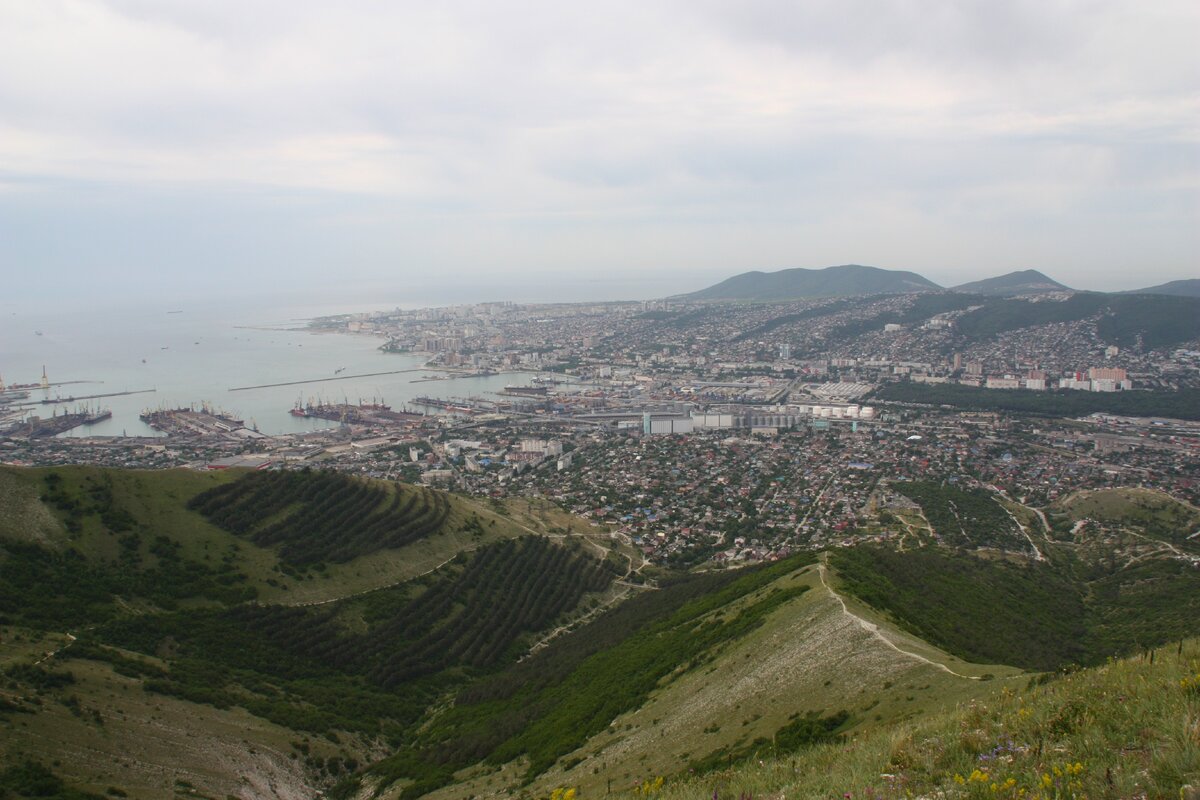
[
  {"x": 527, "y": 391},
  {"x": 97, "y": 416},
  {"x": 324, "y": 410}
]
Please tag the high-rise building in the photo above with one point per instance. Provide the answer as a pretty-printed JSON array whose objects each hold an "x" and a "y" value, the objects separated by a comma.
[{"x": 1106, "y": 374}]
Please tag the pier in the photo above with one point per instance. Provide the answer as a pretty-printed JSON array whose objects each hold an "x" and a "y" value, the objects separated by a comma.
[
  {"x": 24, "y": 387},
  {"x": 56, "y": 400},
  {"x": 334, "y": 378}
]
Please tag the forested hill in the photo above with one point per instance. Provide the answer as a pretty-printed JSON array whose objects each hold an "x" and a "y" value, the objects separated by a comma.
[
  {"x": 1028, "y": 281},
  {"x": 844, "y": 281},
  {"x": 1128, "y": 320},
  {"x": 1189, "y": 287}
]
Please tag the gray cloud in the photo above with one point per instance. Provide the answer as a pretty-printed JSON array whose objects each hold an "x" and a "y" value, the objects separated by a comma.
[{"x": 248, "y": 140}]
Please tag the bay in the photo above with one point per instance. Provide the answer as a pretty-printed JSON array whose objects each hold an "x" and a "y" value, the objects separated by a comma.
[{"x": 194, "y": 354}]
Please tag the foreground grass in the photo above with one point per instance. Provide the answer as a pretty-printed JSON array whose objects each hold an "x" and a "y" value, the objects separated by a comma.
[{"x": 1127, "y": 729}]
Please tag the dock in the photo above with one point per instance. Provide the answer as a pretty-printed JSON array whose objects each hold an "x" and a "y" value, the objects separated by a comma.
[{"x": 39, "y": 428}]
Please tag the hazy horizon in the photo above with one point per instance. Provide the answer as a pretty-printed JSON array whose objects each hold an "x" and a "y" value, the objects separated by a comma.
[{"x": 409, "y": 154}]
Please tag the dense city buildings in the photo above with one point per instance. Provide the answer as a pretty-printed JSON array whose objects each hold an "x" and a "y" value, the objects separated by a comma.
[{"x": 720, "y": 432}]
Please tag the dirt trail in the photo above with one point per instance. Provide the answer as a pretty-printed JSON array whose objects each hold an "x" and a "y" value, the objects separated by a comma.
[
  {"x": 53, "y": 653},
  {"x": 1037, "y": 554},
  {"x": 873, "y": 629},
  {"x": 1175, "y": 551}
]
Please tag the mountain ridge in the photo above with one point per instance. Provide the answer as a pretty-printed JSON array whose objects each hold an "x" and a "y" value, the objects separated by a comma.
[
  {"x": 1188, "y": 287},
  {"x": 856, "y": 280}
]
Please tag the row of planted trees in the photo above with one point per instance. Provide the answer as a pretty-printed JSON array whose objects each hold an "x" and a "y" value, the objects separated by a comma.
[{"x": 322, "y": 516}]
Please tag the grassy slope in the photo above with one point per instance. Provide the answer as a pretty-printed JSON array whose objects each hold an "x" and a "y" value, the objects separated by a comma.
[
  {"x": 156, "y": 499},
  {"x": 1153, "y": 514},
  {"x": 810, "y": 656},
  {"x": 146, "y": 742},
  {"x": 1130, "y": 728}
]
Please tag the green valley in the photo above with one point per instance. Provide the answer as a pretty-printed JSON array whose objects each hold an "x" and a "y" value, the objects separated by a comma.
[{"x": 271, "y": 634}]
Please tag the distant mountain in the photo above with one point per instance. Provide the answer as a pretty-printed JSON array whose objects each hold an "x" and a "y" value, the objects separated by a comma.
[
  {"x": 1184, "y": 288},
  {"x": 1026, "y": 281},
  {"x": 788, "y": 284}
]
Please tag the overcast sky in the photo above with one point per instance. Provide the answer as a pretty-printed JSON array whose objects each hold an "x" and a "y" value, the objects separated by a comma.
[{"x": 616, "y": 149}]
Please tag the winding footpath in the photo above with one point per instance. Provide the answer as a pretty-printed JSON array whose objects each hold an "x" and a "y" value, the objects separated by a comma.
[
  {"x": 873, "y": 629},
  {"x": 53, "y": 653},
  {"x": 1037, "y": 554}
]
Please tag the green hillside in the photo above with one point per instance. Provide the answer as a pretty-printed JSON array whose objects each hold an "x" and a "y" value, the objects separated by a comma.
[
  {"x": 1188, "y": 287},
  {"x": 1126, "y": 729},
  {"x": 129, "y": 620},
  {"x": 1108, "y": 573},
  {"x": 1150, "y": 321},
  {"x": 317, "y": 517},
  {"x": 772, "y": 656},
  {"x": 1137, "y": 512},
  {"x": 81, "y": 517},
  {"x": 1182, "y": 404}
]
